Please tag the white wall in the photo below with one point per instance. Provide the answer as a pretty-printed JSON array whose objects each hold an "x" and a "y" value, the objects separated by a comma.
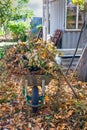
[
  {"x": 57, "y": 10},
  {"x": 36, "y": 6}
]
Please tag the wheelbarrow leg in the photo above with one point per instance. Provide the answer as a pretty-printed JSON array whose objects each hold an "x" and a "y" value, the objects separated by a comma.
[{"x": 35, "y": 98}]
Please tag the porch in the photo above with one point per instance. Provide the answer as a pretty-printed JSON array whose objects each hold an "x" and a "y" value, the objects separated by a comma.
[
  {"x": 54, "y": 17},
  {"x": 67, "y": 57}
]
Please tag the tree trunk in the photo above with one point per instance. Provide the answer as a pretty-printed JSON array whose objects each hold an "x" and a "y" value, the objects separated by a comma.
[{"x": 82, "y": 68}]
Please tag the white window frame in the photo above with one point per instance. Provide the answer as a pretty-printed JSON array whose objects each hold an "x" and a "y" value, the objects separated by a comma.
[{"x": 76, "y": 29}]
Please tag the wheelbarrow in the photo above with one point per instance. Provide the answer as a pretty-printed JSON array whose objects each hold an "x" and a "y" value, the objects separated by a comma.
[{"x": 35, "y": 100}]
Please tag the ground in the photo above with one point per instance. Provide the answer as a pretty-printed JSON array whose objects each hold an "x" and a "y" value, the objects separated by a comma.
[{"x": 60, "y": 111}]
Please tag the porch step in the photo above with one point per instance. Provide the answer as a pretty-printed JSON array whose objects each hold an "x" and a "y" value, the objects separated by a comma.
[
  {"x": 66, "y": 62},
  {"x": 70, "y": 56},
  {"x": 70, "y": 51},
  {"x": 67, "y": 57}
]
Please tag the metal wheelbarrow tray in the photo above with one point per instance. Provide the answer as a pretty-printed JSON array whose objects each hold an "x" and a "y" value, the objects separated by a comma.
[{"x": 36, "y": 80}]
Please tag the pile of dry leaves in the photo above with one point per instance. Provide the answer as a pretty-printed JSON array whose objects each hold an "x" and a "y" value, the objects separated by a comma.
[
  {"x": 61, "y": 110},
  {"x": 34, "y": 57}
]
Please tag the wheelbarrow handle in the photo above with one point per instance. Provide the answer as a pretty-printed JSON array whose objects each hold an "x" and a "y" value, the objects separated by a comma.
[
  {"x": 43, "y": 87},
  {"x": 26, "y": 84}
]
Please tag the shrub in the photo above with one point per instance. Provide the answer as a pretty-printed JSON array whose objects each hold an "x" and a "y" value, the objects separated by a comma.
[
  {"x": 19, "y": 30},
  {"x": 2, "y": 51}
]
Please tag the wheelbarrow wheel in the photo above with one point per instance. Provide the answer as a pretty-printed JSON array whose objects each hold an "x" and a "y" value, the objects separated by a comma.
[{"x": 35, "y": 98}]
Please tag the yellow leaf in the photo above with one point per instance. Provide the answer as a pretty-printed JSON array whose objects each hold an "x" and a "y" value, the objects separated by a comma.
[
  {"x": 23, "y": 43},
  {"x": 46, "y": 97},
  {"x": 81, "y": 96},
  {"x": 80, "y": 83},
  {"x": 43, "y": 55}
]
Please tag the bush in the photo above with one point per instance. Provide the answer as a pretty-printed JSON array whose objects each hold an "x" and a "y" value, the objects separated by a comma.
[
  {"x": 19, "y": 30},
  {"x": 2, "y": 51}
]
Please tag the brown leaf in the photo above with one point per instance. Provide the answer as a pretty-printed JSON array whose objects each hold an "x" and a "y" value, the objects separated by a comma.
[
  {"x": 0, "y": 114},
  {"x": 52, "y": 125},
  {"x": 36, "y": 128},
  {"x": 52, "y": 128},
  {"x": 3, "y": 108},
  {"x": 69, "y": 114},
  {"x": 85, "y": 124},
  {"x": 26, "y": 128}
]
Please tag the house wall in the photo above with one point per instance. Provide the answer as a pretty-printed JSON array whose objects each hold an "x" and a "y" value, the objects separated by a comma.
[
  {"x": 56, "y": 15},
  {"x": 70, "y": 39},
  {"x": 57, "y": 21}
]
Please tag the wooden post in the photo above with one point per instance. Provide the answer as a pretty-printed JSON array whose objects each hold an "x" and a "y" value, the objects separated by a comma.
[
  {"x": 45, "y": 19},
  {"x": 44, "y": 33}
]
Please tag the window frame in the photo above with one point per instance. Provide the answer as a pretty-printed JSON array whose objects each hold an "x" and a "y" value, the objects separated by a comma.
[{"x": 77, "y": 17}]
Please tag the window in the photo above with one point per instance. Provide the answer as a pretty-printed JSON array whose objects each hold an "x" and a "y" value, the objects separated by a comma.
[{"x": 73, "y": 16}]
